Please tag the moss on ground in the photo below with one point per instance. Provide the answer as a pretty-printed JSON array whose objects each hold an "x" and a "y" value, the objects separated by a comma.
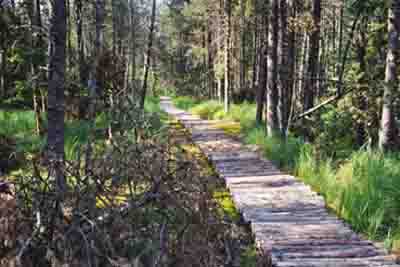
[{"x": 220, "y": 194}]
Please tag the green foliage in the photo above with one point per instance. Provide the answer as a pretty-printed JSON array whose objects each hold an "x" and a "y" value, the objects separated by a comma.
[
  {"x": 245, "y": 114},
  {"x": 185, "y": 102},
  {"x": 207, "y": 110},
  {"x": 334, "y": 137},
  {"x": 249, "y": 257},
  {"x": 19, "y": 125}
]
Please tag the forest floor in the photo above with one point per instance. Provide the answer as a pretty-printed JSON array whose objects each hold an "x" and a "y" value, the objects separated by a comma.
[
  {"x": 214, "y": 235},
  {"x": 290, "y": 221},
  {"x": 241, "y": 248}
]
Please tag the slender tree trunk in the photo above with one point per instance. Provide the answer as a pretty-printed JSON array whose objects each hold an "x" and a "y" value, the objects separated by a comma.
[
  {"x": 94, "y": 85},
  {"x": 303, "y": 67},
  {"x": 114, "y": 19},
  {"x": 242, "y": 48},
  {"x": 210, "y": 64},
  {"x": 227, "y": 54},
  {"x": 133, "y": 40},
  {"x": 219, "y": 89},
  {"x": 284, "y": 68},
  {"x": 55, "y": 109},
  {"x": 340, "y": 45},
  {"x": 360, "y": 100},
  {"x": 36, "y": 42},
  {"x": 255, "y": 48},
  {"x": 148, "y": 55},
  {"x": 70, "y": 54},
  {"x": 80, "y": 42},
  {"x": 388, "y": 135},
  {"x": 272, "y": 94},
  {"x": 263, "y": 74},
  {"x": 311, "y": 81},
  {"x": 291, "y": 62},
  {"x": 3, "y": 69}
]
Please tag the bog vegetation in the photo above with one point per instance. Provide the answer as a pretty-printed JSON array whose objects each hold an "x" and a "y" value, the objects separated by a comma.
[{"x": 91, "y": 173}]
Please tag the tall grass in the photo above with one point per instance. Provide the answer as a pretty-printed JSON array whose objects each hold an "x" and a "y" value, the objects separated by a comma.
[
  {"x": 364, "y": 189},
  {"x": 20, "y": 126}
]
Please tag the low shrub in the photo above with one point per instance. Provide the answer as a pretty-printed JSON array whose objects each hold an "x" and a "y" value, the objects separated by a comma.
[
  {"x": 207, "y": 110},
  {"x": 184, "y": 102}
]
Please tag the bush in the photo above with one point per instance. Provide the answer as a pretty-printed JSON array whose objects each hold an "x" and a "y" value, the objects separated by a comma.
[
  {"x": 207, "y": 110},
  {"x": 184, "y": 102}
]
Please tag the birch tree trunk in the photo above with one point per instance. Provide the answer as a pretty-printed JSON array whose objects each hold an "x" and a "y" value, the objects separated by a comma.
[
  {"x": 227, "y": 54},
  {"x": 272, "y": 94},
  {"x": 388, "y": 134},
  {"x": 148, "y": 54}
]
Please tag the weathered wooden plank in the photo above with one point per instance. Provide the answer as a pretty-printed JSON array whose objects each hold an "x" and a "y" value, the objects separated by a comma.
[{"x": 380, "y": 261}]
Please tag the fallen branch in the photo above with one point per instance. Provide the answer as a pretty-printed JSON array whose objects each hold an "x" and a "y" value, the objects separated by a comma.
[{"x": 321, "y": 105}]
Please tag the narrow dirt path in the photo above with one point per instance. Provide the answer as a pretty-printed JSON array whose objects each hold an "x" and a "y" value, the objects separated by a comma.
[{"x": 290, "y": 222}]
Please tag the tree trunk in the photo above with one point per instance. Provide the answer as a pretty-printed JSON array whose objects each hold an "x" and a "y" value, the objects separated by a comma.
[
  {"x": 311, "y": 81},
  {"x": 69, "y": 55},
  {"x": 284, "y": 68},
  {"x": 272, "y": 94},
  {"x": 210, "y": 64},
  {"x": 360, "y": 99},
  {"x": 262, "y": 86},
  {"x": 340, "y": 45},
  {"x": 80, "y": 42},
  {"x": 36, "y": 42},
  {"x": 291, "y": 62},
  {"x": 255, "y": 48},
  {"x": 133, "y": 41},
  {"x": 227, "y": 54},
  {"x": 388, "y": 134},
  {"x": 94, "y": 85},
  {"x": 219, "y": 89},
  {"x": 242, "y": 48},
  {"x": 3, "y": 69},
  {"x": 55, "y": 109},
  {"x": 114, "y": 18},
  {"x": 148, "y": 55}
]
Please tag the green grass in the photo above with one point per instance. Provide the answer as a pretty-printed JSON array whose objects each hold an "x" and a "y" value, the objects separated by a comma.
[
  {"x": 184, "y": 102},
  {"x": 20, "y": 126},
  {"x": 364, "y": 189}
]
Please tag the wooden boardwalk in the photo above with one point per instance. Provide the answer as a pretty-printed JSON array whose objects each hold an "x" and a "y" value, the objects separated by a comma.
[{"x": 290, "y": 221}]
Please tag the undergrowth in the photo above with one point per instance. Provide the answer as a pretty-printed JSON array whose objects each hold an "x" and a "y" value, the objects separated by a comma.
[
  {"x": 148, "y": 201},
  {"x": 363, "y": 187},
  {"x": 20, "y": 125}
]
